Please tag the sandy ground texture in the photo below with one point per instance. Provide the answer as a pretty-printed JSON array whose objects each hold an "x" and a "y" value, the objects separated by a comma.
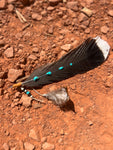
[{"x": 33, "y": 33}]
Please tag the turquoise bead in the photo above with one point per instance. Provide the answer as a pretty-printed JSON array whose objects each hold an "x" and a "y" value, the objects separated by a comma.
[
  {"x": 27, "y": 92},
  {"x": 49, "y": 73},
  {"x": 60, "y": 68},
  {"x": 70, "y": 64},
  {"x": 35, "y": 78}
]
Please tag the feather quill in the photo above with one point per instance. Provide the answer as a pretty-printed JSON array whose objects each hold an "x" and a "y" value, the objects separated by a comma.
[{"x": 90, "y": 54}]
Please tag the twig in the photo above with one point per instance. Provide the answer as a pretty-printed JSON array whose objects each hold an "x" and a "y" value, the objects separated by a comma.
[{"x": 20, "y": 16}]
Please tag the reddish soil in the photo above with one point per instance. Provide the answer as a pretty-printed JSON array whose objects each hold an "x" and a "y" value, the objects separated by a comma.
[{"x": 87, "y": 122}]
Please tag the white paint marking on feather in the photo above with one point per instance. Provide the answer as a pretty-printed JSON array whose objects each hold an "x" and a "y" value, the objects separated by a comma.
[{"x": 103, "y": 45}]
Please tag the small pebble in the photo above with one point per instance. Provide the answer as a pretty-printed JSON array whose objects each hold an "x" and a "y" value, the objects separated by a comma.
[
  {"x": 90, "y": 123},
  {"x": 87, "y": 31},
  {"x": 29, "y": 146},
  {"x": 43, "y": 139},
  {"x": 50, "y": 30},
  {"x": 104, "y": 29},
  {"x": 48, "y": 146},
  {"x": 17, "y": 94},
  {"x": 35, "y": 50},
  {"x": 36, "y": 16},
  {"x": 82, "y": 17},
  {"x": 2, "y": 4},
  {"x": 26, "y": 101},
  {"x": 32, "y": 57},
  {"x": 9, "y": 53},
  {"x": 87, "y": 11},
  {"x": 42, "y": 55},
  {"x": 33, "y": 134},
  {"x": 61, "y": 54},
  {"x": 110, "y": 13},
  {"x": 72, "y": 13},
  {"x": 72, "y": 5},
  {"x": 50, "y": 8},
  {"x": 14, "y": 74},
  {"x": 66, "y": 47},
  {"x": 62, "y": 132},
  {"x": 10, "y": 8},
  {"x": 44, "y": 13}
]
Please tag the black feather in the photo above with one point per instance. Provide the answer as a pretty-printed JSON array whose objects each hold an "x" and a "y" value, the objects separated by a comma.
[{"x": 83, "y": 58}]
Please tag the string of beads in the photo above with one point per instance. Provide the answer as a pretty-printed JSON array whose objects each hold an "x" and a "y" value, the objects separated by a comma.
[{"x": 37, "y": 78}]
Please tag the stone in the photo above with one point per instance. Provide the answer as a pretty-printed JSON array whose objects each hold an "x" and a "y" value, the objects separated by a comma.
[
  {"x": 66, "y": 47},
  {"x": 42, "y": 55},
  {"x": 5, "y": 146},
  {"x": 72, "y": 5},
  {"x": 29, "y": 146},
  {"x": 35, "y": 50},
  {"x": 32, "y": 57},
  {"x": 50, "y": 30},
  {"x": 60, "y": 14},
  {"x": 33, "y": 134},
  {"x": 2, "y": 75},
  {"x": 86, "y": 23},
  {"x": 26, "y": 101},
  {"x": 50, "y": 18},
  {"x": 82, "y": 17},
  {"x": 2, "y": 43},
  {"x": 72, "y": 13},
  {"x": 90, "y": 123},
  {"x": 36, "y": 16},
  {"x": 44, "y": 13},
  {"x": 14, "y": 74},
  {"x": 54, "y": 2},
  {"x": 2, "y": 4},
  {"x": 61, "y": 54},
  {"x": 87, "y": 31},
  {"x": 10, "y": 8},
  {"x": 17, "y": 94},
  {"x": 67, "y": 22},
  {"x": 48, "y": 146},
  {"x": 87, "y": 11},
  {"x": 1, "y": 83},
  {"x": 62, "y": 132},
  {"x": 109, "y": 81},
  {"x": 50, "y": 8},
  {"x": 9, "y": 53},
  {"x": 43, "y": 139},
  {"x": 110, "y": 13},
  {"x": 104, "y": 29}
]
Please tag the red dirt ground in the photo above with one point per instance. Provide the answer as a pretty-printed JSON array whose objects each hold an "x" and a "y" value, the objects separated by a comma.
[{"x": 90, "y": 127}]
